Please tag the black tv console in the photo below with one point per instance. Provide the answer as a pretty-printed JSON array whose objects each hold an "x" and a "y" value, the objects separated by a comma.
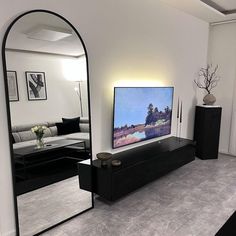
[{"x": 140, "y": 165}]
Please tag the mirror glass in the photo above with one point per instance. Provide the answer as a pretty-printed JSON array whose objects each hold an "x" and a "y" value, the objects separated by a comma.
[{"x": 49, "y": 114}]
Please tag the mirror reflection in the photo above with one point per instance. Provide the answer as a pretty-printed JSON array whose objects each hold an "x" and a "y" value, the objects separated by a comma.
[{"x": 48, "y": 94}]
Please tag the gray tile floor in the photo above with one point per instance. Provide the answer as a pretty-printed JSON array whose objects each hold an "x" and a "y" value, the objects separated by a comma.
[
  {"x": 44, "y": 207},
  {"x": 194, "y": 200}
]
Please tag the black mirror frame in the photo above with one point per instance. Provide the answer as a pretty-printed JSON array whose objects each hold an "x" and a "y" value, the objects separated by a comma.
[{"x": 9, "y": 114}]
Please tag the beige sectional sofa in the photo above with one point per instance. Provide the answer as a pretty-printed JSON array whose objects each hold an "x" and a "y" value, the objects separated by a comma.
[{"x": 23, "y": 136}]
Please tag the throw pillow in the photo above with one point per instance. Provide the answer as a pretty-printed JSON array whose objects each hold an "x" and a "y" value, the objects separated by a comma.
[
  {"x": 73, "y": 123},
  {"x": 63, "y": 128}
]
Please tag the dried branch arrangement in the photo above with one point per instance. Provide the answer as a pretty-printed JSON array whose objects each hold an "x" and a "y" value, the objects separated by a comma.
[{"x": 207, "y": 78}]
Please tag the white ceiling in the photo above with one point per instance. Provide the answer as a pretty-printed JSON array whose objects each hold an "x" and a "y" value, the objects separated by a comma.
[
  {"x": 72, "y": 46},
  {"x": 17, "y": 38},
  {"x": 200, "y": 10},
  {"x": 226, "y": 4}
]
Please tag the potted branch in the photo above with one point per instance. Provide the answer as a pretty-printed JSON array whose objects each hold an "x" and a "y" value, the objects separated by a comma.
[{"x": 207, "y": 80}]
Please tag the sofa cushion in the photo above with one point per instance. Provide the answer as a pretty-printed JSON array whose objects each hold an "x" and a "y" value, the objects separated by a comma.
[
  {"x": 16, "y": 137},
  {"x": 20, "y": 128},
  {"x": 53, "y": 130},
  {"x": 28, "y": 135},
  {"x": 84, "y": 128},
  {"x": 84, "y": 120},
  {"x": 23, "y": 133}
]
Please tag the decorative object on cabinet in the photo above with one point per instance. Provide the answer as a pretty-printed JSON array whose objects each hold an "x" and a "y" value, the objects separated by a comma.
[
  {"x": 207, "y": 80},
  {"x": 104, "y": 157},
  {"x": 115, "y": 162},
  {"x": 179, "y": 119}
]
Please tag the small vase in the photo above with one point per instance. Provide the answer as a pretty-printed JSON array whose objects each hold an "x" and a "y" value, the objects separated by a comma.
[
  {"x": 209, "y": 99},
  {"x": 39, "y": 143}
]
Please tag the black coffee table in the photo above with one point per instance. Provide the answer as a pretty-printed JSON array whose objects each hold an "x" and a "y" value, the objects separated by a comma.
[
  {"x": 39, "y": 167},
  {"x": 51, "y": 146}
]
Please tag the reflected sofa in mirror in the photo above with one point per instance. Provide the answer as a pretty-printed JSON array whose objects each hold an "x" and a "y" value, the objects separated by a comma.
[{"x": 49, "y": 123}]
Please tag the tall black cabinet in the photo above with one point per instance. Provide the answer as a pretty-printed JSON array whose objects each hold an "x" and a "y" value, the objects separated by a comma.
[{"x": 207, "y": 131}]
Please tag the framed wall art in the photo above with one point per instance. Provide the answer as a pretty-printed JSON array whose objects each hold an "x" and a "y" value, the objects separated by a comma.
[
  {"x": 12, "y": 86},
  {"x": 36, "y": 85}
]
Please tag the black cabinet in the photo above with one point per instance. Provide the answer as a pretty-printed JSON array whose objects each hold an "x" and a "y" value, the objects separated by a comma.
[
  {"x": 207, "y": 131},
  {"x": 139, "y": 166}
]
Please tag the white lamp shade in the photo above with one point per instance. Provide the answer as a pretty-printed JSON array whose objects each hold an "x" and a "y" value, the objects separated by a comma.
[{"x": 75, "y": 69}]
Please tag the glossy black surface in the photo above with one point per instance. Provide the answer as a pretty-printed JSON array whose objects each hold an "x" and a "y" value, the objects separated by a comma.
[
  {"x": 229, "y": 228},
  {"x": 145, "y": 152},
  {"x": 139, "y": 166},
  {"x": 49, "y": 147},
  {"x": 207, "y": 131},
  {"x": 36, "y": 168}
]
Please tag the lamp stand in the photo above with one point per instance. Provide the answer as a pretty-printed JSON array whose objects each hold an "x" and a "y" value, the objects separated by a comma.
[{"x": 80, "y": 98}]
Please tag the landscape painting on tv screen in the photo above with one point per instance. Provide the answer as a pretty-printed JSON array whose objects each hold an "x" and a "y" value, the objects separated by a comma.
[{"x": 141, "y": 114}]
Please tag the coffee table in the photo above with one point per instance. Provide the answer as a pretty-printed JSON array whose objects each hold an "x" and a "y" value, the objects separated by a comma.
[
  {"x": 49, "y": 147},
  {"x": 38, "y": 167}
]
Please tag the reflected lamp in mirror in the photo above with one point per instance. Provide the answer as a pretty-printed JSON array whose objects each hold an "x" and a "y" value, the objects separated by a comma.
[
  {"x": 76, "y": 71},
  {"x": 78, "y": 92}
]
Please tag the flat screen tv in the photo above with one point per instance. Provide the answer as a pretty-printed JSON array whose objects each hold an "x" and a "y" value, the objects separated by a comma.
[{"x": 141, "y": 113}]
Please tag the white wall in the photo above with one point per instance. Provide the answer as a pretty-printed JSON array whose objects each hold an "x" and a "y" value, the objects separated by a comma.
[
  {"x": 59, "y": 89},
  {"x": 222, "y": 51},
  {"x": 129, "y": 43}
]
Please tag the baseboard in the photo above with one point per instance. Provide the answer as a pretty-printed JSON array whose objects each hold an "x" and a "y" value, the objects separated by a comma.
[{"x": 226, "y": 153}]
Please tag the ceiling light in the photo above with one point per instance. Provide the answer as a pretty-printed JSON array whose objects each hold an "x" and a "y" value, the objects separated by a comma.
[{"x": 48, "y": 33}]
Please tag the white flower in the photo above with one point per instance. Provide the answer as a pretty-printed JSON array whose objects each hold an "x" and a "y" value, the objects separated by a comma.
[{"x": 38, "y": 129}]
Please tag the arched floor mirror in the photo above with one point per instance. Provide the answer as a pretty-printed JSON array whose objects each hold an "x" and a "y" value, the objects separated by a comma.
[{"x": 47, "y": 92}]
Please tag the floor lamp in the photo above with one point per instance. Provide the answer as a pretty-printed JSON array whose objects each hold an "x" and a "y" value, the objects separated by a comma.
[{"x": 78, "y": 91}]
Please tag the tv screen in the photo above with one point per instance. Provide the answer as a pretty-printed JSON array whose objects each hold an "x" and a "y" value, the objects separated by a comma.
[{"x": 141, "y": 113}]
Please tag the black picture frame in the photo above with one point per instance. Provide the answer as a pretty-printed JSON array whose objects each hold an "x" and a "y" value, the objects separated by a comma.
[
  {"x": 12, "y": 86},
  {"x": 36, "y": 85}
]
